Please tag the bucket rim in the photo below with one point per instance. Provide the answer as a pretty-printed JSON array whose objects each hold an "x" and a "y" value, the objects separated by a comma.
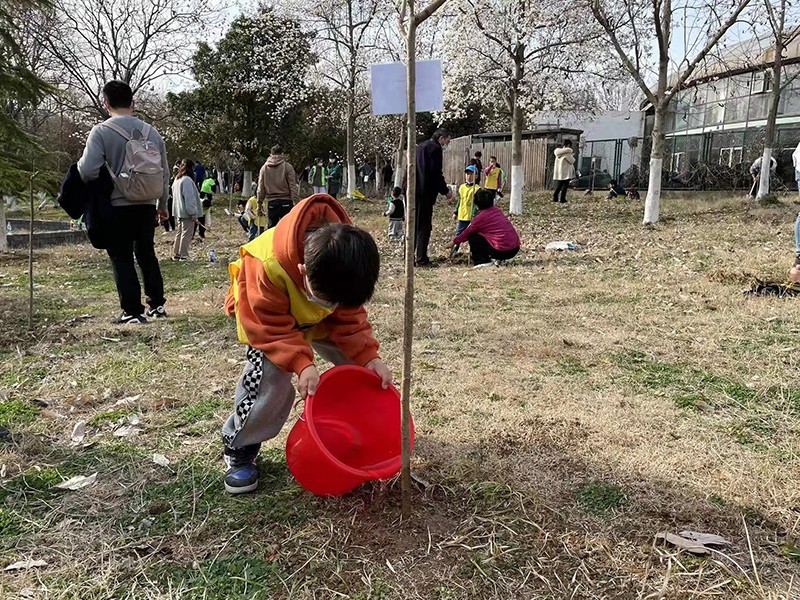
[{"x": 309, "y": 409}]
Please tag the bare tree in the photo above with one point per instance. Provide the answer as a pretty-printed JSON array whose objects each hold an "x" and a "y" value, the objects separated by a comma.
[
  {"x": 781, "y": 36},
  {"x": 346, "y": 40},
  {"x": 136, "y": 41},
  {"x": 632, "y": 25}
]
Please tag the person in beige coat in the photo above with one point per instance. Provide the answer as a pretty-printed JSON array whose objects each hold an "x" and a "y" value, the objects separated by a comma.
[
  {"x": 277, "y": 187},
  {"x": 563, "y": 171}
]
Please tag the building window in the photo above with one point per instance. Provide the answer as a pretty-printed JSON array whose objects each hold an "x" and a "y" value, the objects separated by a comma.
[
  {"x": 730, "y": 156},
  {"x": 762, "y": 82}
]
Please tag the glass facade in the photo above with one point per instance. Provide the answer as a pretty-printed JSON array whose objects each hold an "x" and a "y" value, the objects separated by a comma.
[{"x": 715, "y": 130}]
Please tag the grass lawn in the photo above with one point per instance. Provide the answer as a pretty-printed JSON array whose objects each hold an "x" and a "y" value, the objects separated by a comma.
[{"x": 568, "y": 408}]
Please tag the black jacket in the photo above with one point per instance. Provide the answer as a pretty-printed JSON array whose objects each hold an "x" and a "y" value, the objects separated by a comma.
[
  {"x": 430, "y": 179},
  {"x": 92, "y": 201}
]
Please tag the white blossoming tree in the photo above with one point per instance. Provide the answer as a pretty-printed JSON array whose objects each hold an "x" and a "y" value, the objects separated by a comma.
[
  {"x": 534, "y": 57},
  {"x": 250, "y": 89}
]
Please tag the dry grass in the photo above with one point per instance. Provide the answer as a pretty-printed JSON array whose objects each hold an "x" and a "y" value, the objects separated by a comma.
[{"x": 568, "y": 408}]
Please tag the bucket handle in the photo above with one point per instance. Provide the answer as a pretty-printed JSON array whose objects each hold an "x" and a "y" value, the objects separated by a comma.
[{"x": 299, "y": 414}]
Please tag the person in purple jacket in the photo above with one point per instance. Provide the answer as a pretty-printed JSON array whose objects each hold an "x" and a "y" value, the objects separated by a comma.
[{"x": 491, "y": 236}]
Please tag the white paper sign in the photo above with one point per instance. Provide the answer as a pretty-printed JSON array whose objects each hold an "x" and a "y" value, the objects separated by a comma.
[{"x": 389, "y": 87}]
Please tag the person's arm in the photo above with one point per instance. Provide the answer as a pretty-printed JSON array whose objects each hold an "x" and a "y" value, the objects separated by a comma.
[
  {"x": 164, "y": 200},
  {"x": 500, "y": 181},
  {"x": 291, "y": 179},
  {"x": 191, "y": 197},
  {"x": 261, "y": 194},
  {"x": 94, "y": 156},
  {"x": 351, "y": 331},
  {"x": 436, "y": 170},
  {"x": 263, "y": 316},
  {"x": 457, "y": 203},
  {"x": 475, "y": 226},
  {"x": 311, "y": 176},
  {"x": 249, "y": 210}
]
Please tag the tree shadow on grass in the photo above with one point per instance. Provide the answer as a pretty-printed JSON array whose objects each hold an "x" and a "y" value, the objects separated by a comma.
[{"x": 571, "y": 529}]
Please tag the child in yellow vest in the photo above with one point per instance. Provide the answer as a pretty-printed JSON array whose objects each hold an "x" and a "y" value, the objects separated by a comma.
[
  {"x": 257, "y": 217},
  {"x": 494, "y": 176},
  {"x": 298, "y": 288},
  {"x": 465, "y": 208}
]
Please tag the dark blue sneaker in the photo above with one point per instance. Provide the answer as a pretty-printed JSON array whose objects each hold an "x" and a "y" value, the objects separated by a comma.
[{"x": 242, "y": 474}]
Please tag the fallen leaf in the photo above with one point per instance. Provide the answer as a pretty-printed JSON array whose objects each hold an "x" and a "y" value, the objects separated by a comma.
[
  {"x": 134, "y": 419},
  {"x": 25, "y": 564},
  {"x": 126, "y": 431},
  {"x": 706, "y": 539},
  {"x": 76, "y": 483},
  {"x": 161, "y": 460},
  {"x": 78, "y": 432},
  {"x": 109, "y": 339},
  {"x": 683, "y": 543},
  {"x": 420, "y": 480}
]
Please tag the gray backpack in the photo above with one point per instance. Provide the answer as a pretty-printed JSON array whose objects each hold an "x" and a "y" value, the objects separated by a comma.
[{"x": 142, "y": 176}]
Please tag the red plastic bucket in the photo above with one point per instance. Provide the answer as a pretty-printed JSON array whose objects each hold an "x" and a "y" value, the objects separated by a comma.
[{"x": 349, "y": 433}]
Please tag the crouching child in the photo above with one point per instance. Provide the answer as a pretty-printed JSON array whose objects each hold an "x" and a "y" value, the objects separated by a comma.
[
  {"x": 298, "y": 288},
  {"x": 491, "y": 236}
]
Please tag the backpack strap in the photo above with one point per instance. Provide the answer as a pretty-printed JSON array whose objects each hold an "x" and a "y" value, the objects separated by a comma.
[
  {"x": 144, "y": 132},
  {"x": 117, "y": 128}
]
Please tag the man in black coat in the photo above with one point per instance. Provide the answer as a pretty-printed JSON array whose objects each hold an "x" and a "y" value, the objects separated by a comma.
[{"x": 430, "y": 183}]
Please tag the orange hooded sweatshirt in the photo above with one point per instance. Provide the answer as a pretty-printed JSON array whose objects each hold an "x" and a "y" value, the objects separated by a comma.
[{"x": 268, "y": 297}]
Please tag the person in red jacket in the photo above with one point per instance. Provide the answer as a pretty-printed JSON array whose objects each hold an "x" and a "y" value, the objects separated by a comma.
[
  {"x": 491, "y": 236},
  {"x": 298, "y": 288}
]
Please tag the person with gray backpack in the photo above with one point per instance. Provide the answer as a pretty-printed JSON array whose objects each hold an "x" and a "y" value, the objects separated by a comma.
[{"x": 135, "y": 155}]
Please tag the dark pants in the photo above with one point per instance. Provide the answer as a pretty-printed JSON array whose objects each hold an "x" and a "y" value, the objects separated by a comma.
[
  {"x": 243, "y": 221},
  {"x": 134, "y": 228},
  {"x": 562, "y": 185},
  {"x": 333, "y": 188},
  {"x": 276, "y": 210},
  {"x": 483, "y": 252},
  {"x": 169, "y": 224},
  {"x": 423, "y": 225},
  {"x": 461, "y": 227},
  {"x": 200, "y": 227}
]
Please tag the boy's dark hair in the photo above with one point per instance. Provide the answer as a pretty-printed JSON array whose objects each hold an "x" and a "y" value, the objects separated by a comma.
[
  {"x": 118, "y": 94},
  {"x": 493, "y": 157},
  {"x": 343, "y": 264},
  {"x": 478, "y": 154},
  {"x": 397, "y": 191},
  {"x": 276, "y": 149},
  {"x": 612, "y": 182},
  {"x": 568, "y": 143},
  {"x": 484, "y": 199},
  {"x": 241, "y": 202}
]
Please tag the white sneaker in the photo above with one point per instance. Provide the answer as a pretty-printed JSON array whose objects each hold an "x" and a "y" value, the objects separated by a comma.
[{"x": 484, "y": 265}]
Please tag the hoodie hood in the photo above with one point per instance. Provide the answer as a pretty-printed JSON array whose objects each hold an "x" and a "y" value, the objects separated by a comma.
[
  {"x": 311, "y": 213},
  {"x": 276, "y": 160}
]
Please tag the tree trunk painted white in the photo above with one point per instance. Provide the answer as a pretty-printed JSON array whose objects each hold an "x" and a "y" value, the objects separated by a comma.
[
  {"x": 247, "y": 181},
  {"x": 378, "y": 175},
  {"x": 3, "y": 229},
  {"x": 400, "y": 159},
  {"x": 351, "y": 153},
  {"x": 652, "y": 203},
  {"x": 517, "y": 179},
  {"x": 763, "y": 180},
  {"x": 517, "y": 184}
]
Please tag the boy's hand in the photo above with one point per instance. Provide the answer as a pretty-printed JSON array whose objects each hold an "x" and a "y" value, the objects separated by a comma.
[
  {"x": 307, "y": 381},
  {"x": 377, "y": 365}
]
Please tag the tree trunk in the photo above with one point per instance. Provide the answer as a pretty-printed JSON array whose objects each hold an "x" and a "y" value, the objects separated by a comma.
[
  {"x": 3, "y": 226},
  {"x": 377, "y": 176},
  {"x": 517, "y": 176},
  {"x": 408, "y": 300},
  {"x": 652, "y": 203},
  {"x": 351, "y": 153},
  {"x": 772, "y": 116},
  {"x": 247, "y": 181},
  {"x": 400, "y": 161}
]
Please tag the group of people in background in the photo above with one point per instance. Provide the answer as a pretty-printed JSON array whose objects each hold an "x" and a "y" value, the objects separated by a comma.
[{"x": 191, "y": 196}]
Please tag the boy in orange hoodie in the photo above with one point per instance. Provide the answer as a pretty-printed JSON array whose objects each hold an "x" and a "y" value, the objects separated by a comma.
[{"x": 297, "y": 288}]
